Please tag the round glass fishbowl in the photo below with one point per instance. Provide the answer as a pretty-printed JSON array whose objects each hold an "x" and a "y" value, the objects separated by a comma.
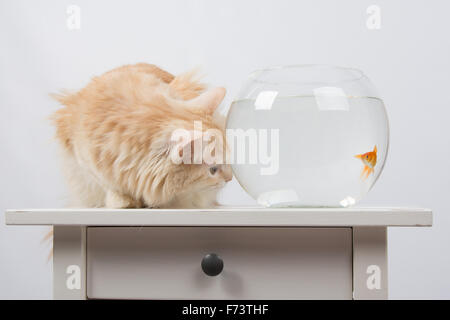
[{"x": 307, "y": 136}]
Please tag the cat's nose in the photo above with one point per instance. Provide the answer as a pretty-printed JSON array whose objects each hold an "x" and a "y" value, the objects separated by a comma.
[{"x": 228, "y": 177}]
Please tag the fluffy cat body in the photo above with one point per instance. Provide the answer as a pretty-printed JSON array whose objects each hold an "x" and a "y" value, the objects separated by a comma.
[{"x": 116, "y": 133}]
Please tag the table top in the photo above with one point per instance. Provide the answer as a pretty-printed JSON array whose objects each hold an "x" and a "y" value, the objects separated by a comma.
[{"x": 225, "y": 216}]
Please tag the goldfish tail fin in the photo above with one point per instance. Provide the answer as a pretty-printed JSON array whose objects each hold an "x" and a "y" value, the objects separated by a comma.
[
  {"x": 363, "y": 173},
  {"x": 369, "y": 171}
]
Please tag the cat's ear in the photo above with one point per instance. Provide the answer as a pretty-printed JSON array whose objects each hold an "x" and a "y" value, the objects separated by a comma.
[{"x": 208, "y": 101}]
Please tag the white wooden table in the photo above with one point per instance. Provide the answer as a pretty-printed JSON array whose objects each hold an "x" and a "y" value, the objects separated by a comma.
[{"x": 249, "y": 253}]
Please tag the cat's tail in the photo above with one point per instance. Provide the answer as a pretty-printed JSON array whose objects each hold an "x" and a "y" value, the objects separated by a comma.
[
  {"x": 187, "y": 85},
  {"x": 48, "y": 239}
]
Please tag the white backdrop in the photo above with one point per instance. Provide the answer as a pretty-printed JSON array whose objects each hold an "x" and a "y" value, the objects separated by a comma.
[{"x": 407, "y": 59}]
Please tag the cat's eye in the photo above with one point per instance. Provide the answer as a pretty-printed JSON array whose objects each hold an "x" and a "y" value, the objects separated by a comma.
[{"x": 213, "y": 170}]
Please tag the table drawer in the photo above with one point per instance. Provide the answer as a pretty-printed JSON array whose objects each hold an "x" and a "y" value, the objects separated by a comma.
[{"x": 258, "y": 263}]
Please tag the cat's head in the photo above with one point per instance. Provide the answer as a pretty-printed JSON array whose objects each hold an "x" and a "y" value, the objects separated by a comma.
[{"x": 197, "y": 145}]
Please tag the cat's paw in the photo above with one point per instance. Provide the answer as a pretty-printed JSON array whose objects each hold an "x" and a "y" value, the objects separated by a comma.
[{"x": 116, "y": 200}]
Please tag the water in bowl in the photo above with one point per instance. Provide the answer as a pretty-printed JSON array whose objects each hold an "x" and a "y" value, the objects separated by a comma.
[{"x": 318, "y": 143}]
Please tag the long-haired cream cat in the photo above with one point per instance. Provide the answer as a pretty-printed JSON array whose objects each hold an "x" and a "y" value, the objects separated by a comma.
[{"x": 116, "y": 139}]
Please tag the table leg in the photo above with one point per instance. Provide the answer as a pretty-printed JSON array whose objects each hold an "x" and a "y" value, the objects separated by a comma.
[
  {"x": 69, "y": 262},
  {"x": 370, "y": 270}
]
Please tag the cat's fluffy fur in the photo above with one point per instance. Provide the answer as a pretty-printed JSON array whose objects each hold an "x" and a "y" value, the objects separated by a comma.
[{"x": 115, "y": 137}]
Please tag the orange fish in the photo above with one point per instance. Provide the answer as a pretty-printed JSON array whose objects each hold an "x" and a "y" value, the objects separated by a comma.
[{"x": 370, "y": 160}]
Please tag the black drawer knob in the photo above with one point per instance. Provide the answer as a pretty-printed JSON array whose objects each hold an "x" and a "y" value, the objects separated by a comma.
[{"x": 212, "y": 265}]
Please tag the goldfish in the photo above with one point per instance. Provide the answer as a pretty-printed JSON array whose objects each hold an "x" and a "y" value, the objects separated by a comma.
[{"x": 369, "y": 160}]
